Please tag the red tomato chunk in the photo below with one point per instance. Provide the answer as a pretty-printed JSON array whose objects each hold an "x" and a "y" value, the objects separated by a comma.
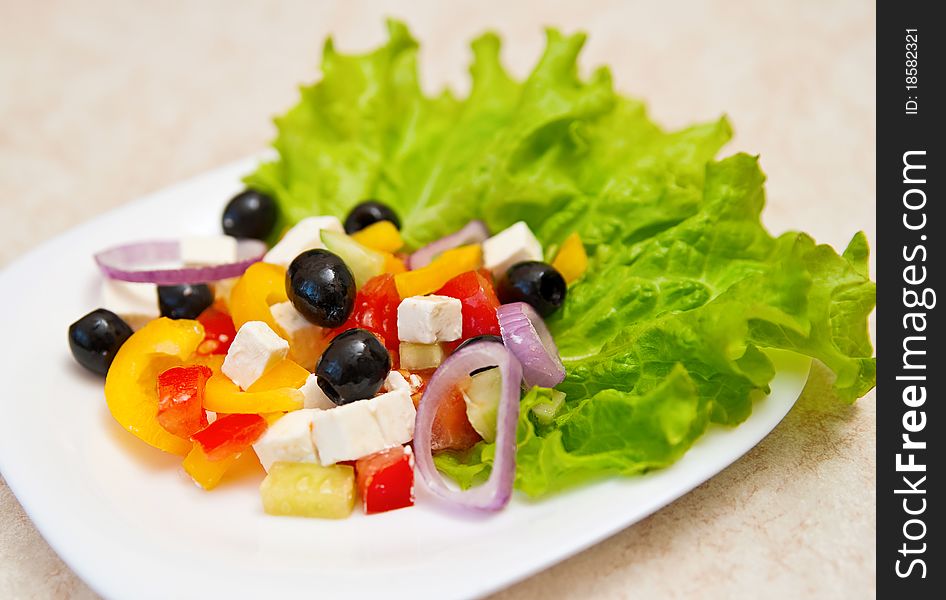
[
  {"x": 451, "y": 429},
  {"x": 386, "y": 480},
  {"x": 229, "y": 435},
  {"x": 474, "y": 290},
  {"x": 376, "y": 310},
  {"x": 218, "y": 331},
  {"x": 181, "y": 400}
]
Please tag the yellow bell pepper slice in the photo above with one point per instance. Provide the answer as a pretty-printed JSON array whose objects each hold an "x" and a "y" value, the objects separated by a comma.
[
  {"x": 261, "y": 286},
  {"x": 205, "y": 472},
  {"x": 441, "y": 270},
  {"x": 382, "y": 236},
  {"x": 131, "y": 390},
  {"x": 393, "y": 264},
  {"x": 284, "y": 374},
  {"x": 571, "y": 260},
  {"x": 276, "y": 391},
  {"x": 212, "y": 361},
  {"x": 272, "y": 417}
]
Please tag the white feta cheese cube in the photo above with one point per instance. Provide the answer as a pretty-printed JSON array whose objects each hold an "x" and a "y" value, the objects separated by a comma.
[
  {"x": 395, "y": 381},
  {"x": 346, "y": 432},
  {"x": 254, "y": 350},
  {"x": 429, "y": 319},
  {"x": 313, "y": 396},
  {"x": 135, "y": 303},
  {"x": 208, "y": 250},
  {"x": 305, "y": 235},
  {"x": 395, "y": 414},
  {"x": 514, "y": 244},
  {"x": 403, "y": 380},
  {"x": 355, "y": 430},
  {"x": 288, "y": 440},
  {"x": 303, "y": 335}
]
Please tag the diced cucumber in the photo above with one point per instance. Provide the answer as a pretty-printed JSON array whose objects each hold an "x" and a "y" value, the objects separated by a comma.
[
  {"x": 309, "y": 490},
  {"x": 481, "y": 395},
  {"x": 364, "y": 262},
  {"x": 546, "y": 411},
  {"x": 417, "y": 357}
]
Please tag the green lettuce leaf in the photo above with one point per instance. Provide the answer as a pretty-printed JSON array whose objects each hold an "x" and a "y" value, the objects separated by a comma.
[{"x": 667, "y": 331}]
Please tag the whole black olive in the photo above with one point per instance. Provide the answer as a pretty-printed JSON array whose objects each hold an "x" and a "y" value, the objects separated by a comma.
[
  {"x": 250, "y": 214},
  {"x": 95, "y": 339},
  {"x": 353, "y": 367},
  {"x": 367, "y": 213},
  {"x": 321, "y": 287},
  {"x": 534, "y": 282},
  {"x": 184, "y": 301}
]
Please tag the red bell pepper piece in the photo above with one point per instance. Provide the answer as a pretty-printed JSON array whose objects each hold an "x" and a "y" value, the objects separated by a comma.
[
  {"x": 386, "y": 479},
  {"x": 474, "y": 290},
  {"x": 181, "y": 400},
  {"x": 376, "y": 310},
  {"x": 229, "y": 435},
  {"x": 219, "y": 331}
]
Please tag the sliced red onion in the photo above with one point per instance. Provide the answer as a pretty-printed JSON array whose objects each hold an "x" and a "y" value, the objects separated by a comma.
[
  {"x": 473, "y": 232},
  {"x": 496, "y": 492},
  {"x": 142, "y": 262},
  {"x": 525, "y": 334}
]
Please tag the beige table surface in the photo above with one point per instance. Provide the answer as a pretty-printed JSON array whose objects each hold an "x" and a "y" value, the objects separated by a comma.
[{"x": 101, "y": 102}]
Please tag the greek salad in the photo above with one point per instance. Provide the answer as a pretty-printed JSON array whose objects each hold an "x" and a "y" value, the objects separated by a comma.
[{"x": 530, "y": 288}]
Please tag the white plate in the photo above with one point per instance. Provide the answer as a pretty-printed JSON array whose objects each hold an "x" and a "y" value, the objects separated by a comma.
[{"x": 129, "y": 522}]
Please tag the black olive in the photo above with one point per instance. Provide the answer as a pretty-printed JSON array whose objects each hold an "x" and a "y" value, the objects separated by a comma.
[
  {"x": 476, "y": 339},
  {"x": 250, "y": 214},
  {"x": 184, "y": 301},
  {"x": 534, "y": 282},
  {"x": 353, "y": 367},
  {"x": 95, "y": 339},
  {"x": 321, "y": 287},
  {"x": 367, "y": 213}
]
